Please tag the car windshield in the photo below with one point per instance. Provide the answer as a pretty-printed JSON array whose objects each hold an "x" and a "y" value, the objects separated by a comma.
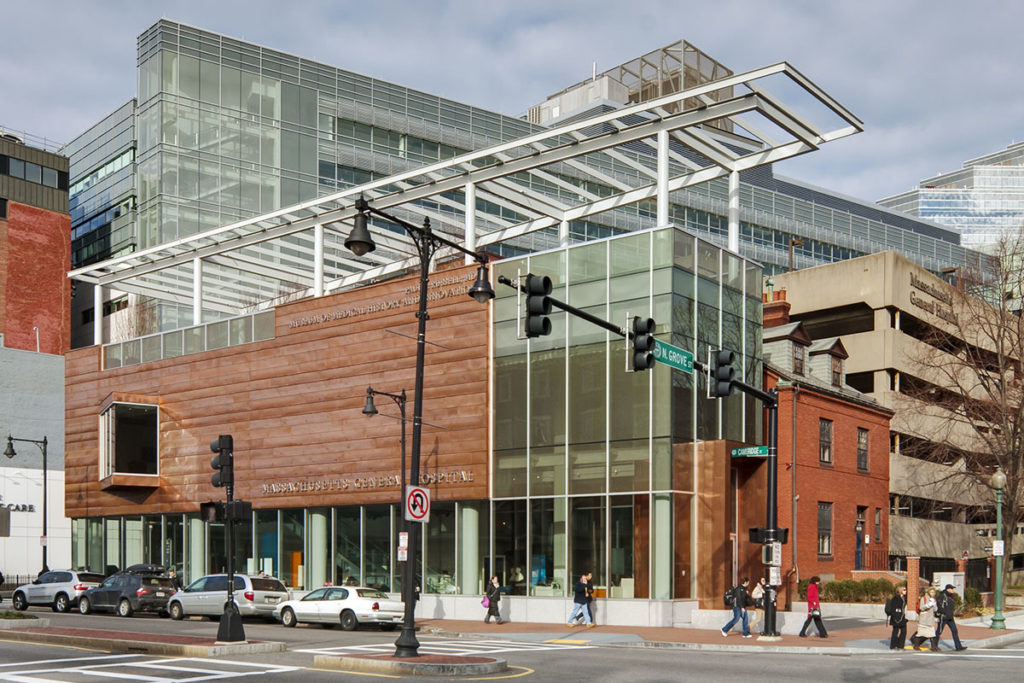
[{"x": 371, "y": 593}]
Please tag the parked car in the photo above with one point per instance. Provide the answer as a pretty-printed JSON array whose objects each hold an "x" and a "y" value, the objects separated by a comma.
[
  {"x": 139, "y": 588},
  {"x": 255, "y": 596},
  {"x": 58, "y": 589},
  {"x": 345, "y": 605}
]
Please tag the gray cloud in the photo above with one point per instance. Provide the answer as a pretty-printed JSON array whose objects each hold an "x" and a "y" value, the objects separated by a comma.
[{"x": 936, "y": 82}]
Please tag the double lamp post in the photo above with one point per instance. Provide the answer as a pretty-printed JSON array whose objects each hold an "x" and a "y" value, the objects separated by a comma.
[
  {"x": 10, "y": 453},
  {"x": 427, "y": 244}
]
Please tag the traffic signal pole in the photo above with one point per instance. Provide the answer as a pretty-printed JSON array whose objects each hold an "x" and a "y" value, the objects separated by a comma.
[{"x": 230, "y": 629}]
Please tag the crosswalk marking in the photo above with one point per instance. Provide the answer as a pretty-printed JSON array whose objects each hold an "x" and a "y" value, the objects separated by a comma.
[
  {"x": 130, "y": 668},
  {"x": 454, "y": 647}
]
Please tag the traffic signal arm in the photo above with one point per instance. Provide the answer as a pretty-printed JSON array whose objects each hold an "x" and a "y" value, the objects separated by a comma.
[{"x": 572, "y": 310}]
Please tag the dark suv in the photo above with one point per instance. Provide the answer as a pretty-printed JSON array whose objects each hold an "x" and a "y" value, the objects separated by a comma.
[{"x": 139, "y": 588}]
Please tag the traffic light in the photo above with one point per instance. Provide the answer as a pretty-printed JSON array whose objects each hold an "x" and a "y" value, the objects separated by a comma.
[
  {"x": 538, "y": 305},
  {"x": 642, "y": 342},
  {"x": 223, "y": 462},
  {"x": 722, "y": 373}
]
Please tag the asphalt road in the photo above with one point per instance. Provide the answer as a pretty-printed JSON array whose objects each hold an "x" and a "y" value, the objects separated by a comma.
[{"x": 530, "y": 661}]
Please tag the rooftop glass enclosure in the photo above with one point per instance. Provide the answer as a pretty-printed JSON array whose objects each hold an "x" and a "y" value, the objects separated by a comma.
[{"x": 593, "y": 466}]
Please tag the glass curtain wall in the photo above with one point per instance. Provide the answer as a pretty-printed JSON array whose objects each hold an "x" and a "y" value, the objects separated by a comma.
[{"x": 593, "y": 467}]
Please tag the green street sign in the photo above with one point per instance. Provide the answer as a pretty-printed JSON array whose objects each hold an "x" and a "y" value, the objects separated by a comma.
[
  {"x": 750, "y": 452},
  {"x": 673, "y": 356}
]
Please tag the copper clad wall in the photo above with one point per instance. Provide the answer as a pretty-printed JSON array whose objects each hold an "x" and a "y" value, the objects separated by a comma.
[{"x": 293, "y": 405}]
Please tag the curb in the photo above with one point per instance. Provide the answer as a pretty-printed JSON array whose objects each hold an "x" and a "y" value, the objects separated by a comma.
[
  {"x": 146, "y": 647},
  {"x": 39, "y": 622},
  {"x": 410, "y": 668}
]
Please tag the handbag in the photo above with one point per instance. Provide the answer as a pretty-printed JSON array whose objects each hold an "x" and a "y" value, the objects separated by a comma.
[
  {"x": 815, "y": 612},
  {"x": 486, "y": 602}
]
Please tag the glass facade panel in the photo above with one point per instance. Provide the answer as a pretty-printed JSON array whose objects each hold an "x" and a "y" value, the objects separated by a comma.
[
  {"x": 547, "y": 571},
  {"x": 266, "y": 542},
  {"x": 587, "y": 538},
  {"x": 347, "y": 545},
  {"x": 377, "y": 547},
  {"x": 293, "y": 530},
  {"x": 509, "y": 539},
  {"x": 439, "y": 549}
]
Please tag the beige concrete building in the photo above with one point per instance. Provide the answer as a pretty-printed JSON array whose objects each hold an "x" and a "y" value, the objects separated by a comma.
[{"x": 884, "y": 308}]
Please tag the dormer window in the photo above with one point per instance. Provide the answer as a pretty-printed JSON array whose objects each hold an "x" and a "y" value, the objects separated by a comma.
[
  {"x": 798, "y": 358},
  {"x": 837, "y": 371}
]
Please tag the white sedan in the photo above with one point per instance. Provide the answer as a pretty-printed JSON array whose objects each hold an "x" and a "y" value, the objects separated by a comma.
[{"x": 347, "y": 605}]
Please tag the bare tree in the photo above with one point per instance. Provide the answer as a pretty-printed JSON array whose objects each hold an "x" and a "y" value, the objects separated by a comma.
[{"x": 966, "y": 382}]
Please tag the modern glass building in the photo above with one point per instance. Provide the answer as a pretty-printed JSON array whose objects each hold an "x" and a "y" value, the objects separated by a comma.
[
  {"x": 597, "y": 469},
  {"x": 983, "y": 201},
  {"x": 221, "y": 129}
]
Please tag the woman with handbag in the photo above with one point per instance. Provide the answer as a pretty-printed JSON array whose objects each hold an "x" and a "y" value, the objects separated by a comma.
[
  {"x": 813, "y": 609},
  {"x": 491, "y": 599},
  {"x": 758, "y": 596},
  {"x": 896, "y": 609},
  {"x": 926, "y": 621}
]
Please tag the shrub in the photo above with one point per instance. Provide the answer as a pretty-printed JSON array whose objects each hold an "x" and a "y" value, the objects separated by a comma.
[{"x": 972, "y": 598}]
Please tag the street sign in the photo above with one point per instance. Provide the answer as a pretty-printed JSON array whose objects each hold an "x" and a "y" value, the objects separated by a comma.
[
  {"x": 997, "y": 548},
  {"x": 775, "y": 576},
  {"x": 673, "y": 356},
  {"x": 417, "y": 504},
  {"x": 403, "y": 539},
  {"x": 750, "y": 452},
  {"x": 403, "y": 554}
]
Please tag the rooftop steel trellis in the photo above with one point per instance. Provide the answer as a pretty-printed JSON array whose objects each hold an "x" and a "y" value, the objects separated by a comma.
[{"x": 578, "y": 170}]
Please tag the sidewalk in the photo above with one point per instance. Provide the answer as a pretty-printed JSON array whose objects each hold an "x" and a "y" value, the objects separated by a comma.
[{"x": 845, "y": 636}]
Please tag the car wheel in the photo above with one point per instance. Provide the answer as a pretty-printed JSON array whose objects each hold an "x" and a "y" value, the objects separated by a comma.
[
  {"x": 176, "y": 612},
  {"x": 288, "y": 617},
  {"x": 20, "y": 603},
  {"x": 84, "y": 606},
  {"x": 124, "y": 608},
  {"x": 388, "y": 627},
  {"x": 348, "y": 620},
  {"x": 61, "y": 603}
]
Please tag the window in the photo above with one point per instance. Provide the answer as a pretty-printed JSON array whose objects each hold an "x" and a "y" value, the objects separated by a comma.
[
  {"x": 862, "y": 449},
  {"x": 825, "y": 441},
  {"x": 837, "y": 371},
  {"x": 824, "y": 529},
  {"x": 798, "y": 358},
  {"x": 3, "y": 208},
  {"x": 128, "y": 439},
  {"x": 878, "y": 525}
]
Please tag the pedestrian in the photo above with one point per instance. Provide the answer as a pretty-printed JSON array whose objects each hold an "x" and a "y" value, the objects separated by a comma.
[
  {"x": 758, "y": 597},
  {"x": 175, "y": 581},
  {"x": 926, "y": 621},
  {"x": 579, "y": 599},
  {"x": 590, "y": 598},
  {"x": 493, "y": 594},
  {"x": 896, "y": 610},
  {"x": 740, "y": 602},
  {"x": 813, "y": 609},
  {"x": 945, "y": 606}
]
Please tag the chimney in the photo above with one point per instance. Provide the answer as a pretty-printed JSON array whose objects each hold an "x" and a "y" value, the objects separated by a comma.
[{"x": 775, "y": 311}]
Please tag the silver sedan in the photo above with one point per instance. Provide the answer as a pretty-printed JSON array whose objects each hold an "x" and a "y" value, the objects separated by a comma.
[{"x": 345, "y": 605}]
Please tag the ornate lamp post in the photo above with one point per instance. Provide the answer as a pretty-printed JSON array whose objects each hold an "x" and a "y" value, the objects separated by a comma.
[
  {"x": 360, "y": 242},
  {"x": 10, "y": 453},
  {"x": 998, "y": 482}
]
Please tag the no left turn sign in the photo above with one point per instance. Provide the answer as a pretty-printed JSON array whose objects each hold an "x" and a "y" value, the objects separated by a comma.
[{"x": 417, "y": 504}]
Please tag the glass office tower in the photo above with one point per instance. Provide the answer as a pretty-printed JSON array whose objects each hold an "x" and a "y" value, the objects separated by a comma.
[{"x": 595, "y": 469}]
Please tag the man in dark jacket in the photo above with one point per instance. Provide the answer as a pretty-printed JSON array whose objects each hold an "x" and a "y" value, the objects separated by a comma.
[
  {"x": 896, "y": 608},
  {"x": 945, "y": 604},
  {"x": 579, "y": 598},
  {"x": 740, "y": 601}
]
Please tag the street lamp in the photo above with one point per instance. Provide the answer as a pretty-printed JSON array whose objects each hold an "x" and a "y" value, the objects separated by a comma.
[
  {"x": 360, "y": 242},
  {"x": 10, "y": 453},
  {"x": 370, "y": 410},
  {"x": 998, "y": 482}
]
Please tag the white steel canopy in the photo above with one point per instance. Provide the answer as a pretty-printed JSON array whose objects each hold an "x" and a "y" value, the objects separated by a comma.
[{"x": 601, "y": 169}]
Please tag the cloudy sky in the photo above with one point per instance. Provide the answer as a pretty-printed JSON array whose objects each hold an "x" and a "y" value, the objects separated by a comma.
[{"x": 936, "y": 82}]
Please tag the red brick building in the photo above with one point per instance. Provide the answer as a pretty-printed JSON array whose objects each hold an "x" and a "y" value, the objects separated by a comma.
[
  {"x": 35, "y": 248},
  {"x": 833, "y": 447}
]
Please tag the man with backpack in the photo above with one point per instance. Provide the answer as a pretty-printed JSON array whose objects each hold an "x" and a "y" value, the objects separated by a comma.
[
  {"x": 740, "y": 601},
  {"x": 945, "y": 605}
]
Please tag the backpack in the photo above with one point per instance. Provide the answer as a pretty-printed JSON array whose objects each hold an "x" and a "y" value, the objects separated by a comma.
[{"x": 730, "y": 597}]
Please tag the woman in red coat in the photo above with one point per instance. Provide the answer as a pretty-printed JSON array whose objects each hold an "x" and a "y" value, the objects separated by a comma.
[{"x": 813, "y": 609}]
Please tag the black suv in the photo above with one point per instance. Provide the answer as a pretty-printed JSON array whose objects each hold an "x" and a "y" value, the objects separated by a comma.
[{"x": 139, "y": 588}]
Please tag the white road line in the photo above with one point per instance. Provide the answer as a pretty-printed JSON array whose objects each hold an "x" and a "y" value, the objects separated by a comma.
[{"x": 36, "y": 662}]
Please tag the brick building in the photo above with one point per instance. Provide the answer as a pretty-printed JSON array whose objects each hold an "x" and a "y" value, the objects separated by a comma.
[{"x": 833, "y": 454}]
